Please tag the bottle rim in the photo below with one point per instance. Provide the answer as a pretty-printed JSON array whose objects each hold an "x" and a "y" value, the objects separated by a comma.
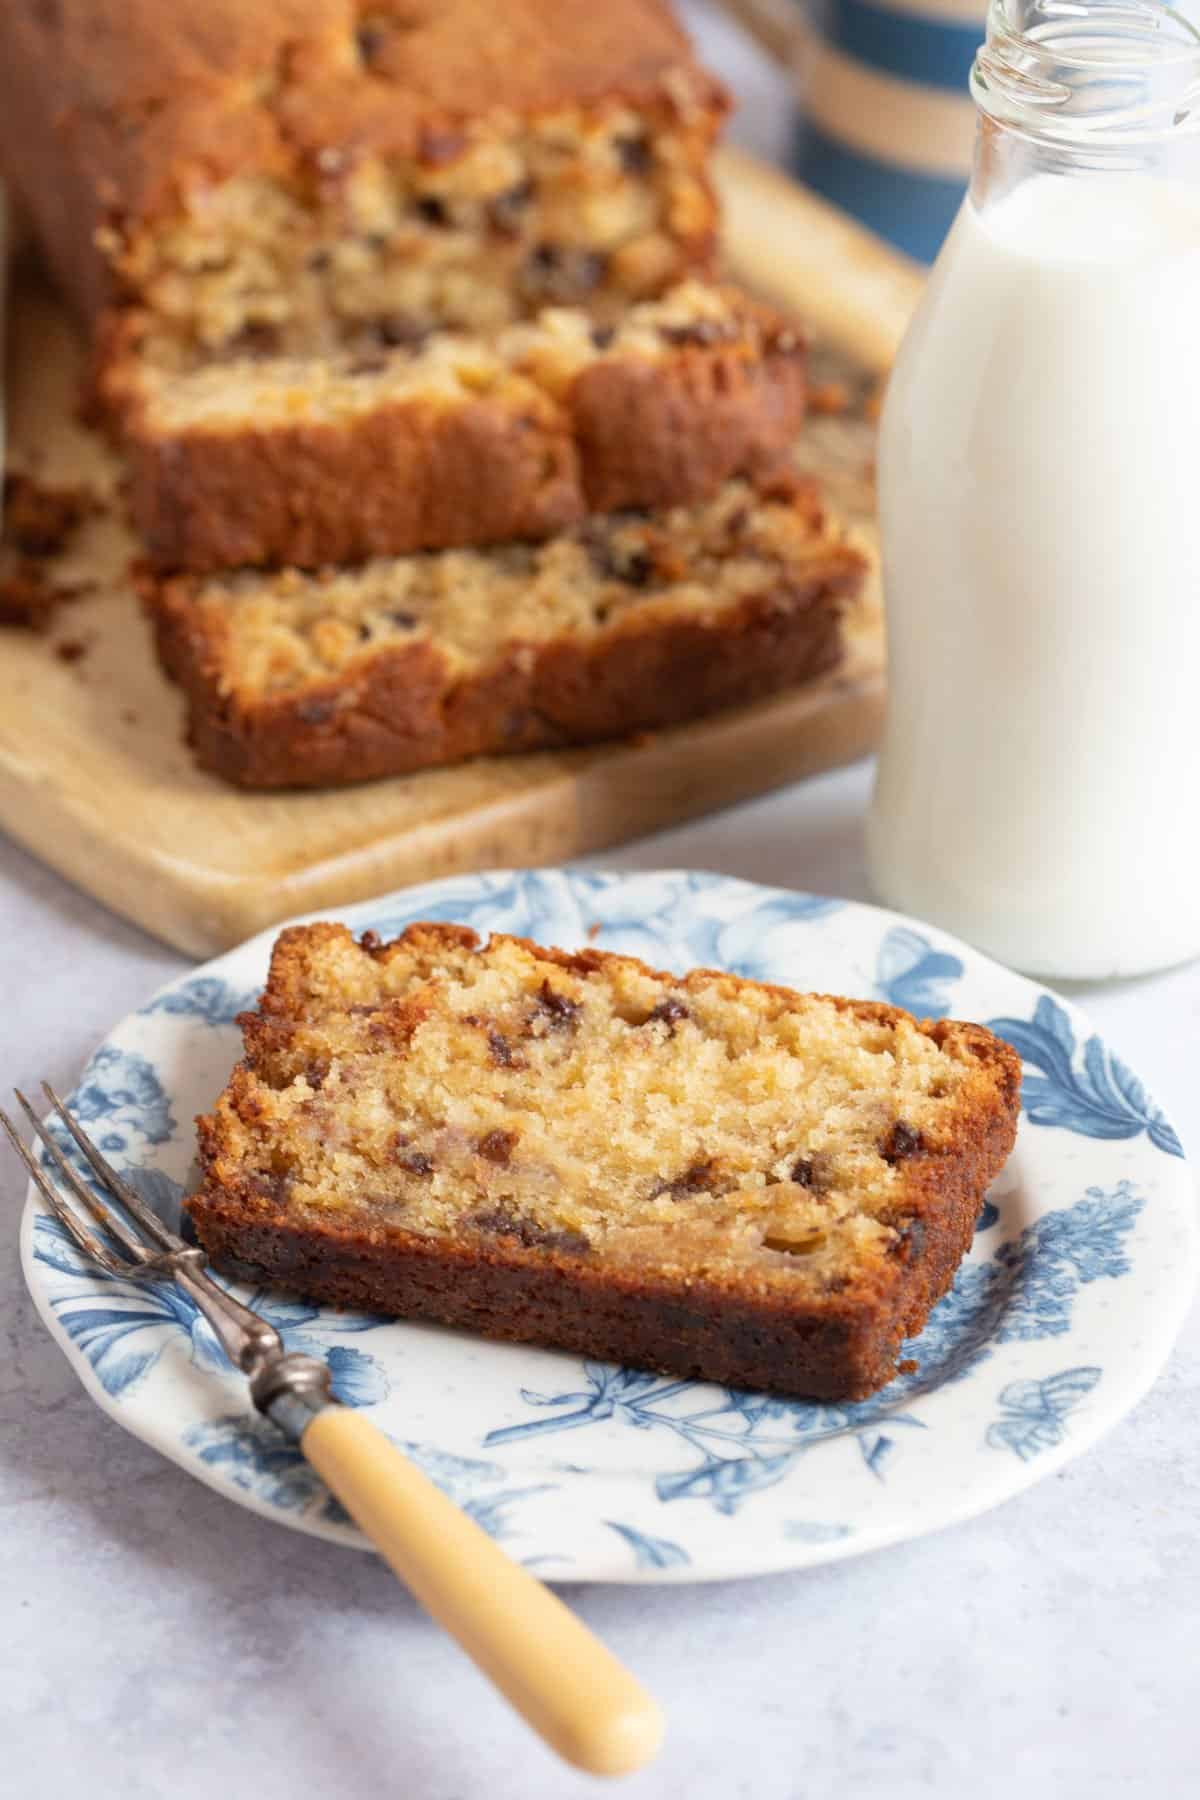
[{"x": 1097, "y": 74}]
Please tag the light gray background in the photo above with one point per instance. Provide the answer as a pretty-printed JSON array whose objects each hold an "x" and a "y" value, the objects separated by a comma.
[{"x": 156, "y": 1641}]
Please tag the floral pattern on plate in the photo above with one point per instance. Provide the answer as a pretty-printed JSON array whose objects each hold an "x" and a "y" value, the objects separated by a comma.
[{"x": 1058, "y": 1320}]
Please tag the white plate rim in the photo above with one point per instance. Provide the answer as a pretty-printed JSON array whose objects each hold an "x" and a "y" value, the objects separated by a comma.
[{"x": 741, "y": 1555}]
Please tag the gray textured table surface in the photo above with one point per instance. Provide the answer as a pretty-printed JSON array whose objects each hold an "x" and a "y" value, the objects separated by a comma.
[{"x": 156, "y": 1641}]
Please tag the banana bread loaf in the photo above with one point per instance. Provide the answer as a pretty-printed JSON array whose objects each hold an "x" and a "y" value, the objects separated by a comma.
[
  {"x": 299, "y": 167},
  {"x": 453, "y": 439},
  {"x": 703, "y": 1175},
  {"x": 624, "y": 622}
]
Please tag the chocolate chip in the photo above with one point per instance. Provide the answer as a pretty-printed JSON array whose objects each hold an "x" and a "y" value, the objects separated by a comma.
[
  {"x": 506, "y": 1223},
  {"x": 902, "y": 1141},
  {"x": 573, "y": 1241},
  {"x": 316, "y": 711},
  {"x": 319, "y": 261},
  {"x": 315, "y": 1073},
  {"x": 603, "y": 335},
  {"x": 696, "y": 1180},
  {"x": 669, "y": 1012},
  {"x": 414, "y": 1162},
  {"x": 433, "y": 210},
  {"x": 440, "y": 145},
  {"x": 498, "y": 1146},
  {"x": 504, "y": 212},
  {"x": 634, "y": 567},
  {"x": 33, "y": 542},
  {"x": 372, "y": 362},
  {"x": 258, "y": 339},
  {"x": 400, "y": 330},
  {"x": 561, "y": 1011},
  {"x": 633, "y": 154},
  {"x": 562, "y": 272},
  {"x": 811, "y": 1172},
  {"x": 372, "y": 943},
  {"x": 502, "y": 1051},
  {"x": 702, "y": 332},
  {"x": 364, "y": 632},
  {"x": 370, "y": 38},
  {"x": 403, "y": 621},
  {"x": 71, "y": 650}
]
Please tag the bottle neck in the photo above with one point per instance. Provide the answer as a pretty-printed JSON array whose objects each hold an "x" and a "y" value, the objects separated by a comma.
[{"x": 1108, "y": 88}]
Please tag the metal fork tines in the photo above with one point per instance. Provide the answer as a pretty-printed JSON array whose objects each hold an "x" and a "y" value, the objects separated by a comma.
[
  {"x": 152, "y": 1252},
  {"x": 569, "y": 1688},
  {"x": 138, "y": 1260}
]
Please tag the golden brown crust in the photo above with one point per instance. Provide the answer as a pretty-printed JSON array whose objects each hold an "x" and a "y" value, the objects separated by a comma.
[
  {"x": 407, "y": 711},
  {"x": 733, "y": 1329},
  {"x": 408, "y": 475},
  {"x": 404, "y": 477},
  {"x": 111, "y": 109},
  {"x": 665, "y": 434}
]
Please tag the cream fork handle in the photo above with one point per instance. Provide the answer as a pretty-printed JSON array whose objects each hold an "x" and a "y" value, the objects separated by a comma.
[{"x": 544, "y": 1660}]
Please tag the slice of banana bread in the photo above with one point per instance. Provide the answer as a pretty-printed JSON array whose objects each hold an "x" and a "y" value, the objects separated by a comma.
[
  {"x": 620, "y": 624},
  {"x": 453, "y": 439},
  {"x": 296, "y": 166},
  {"x": 703, "y": 1175}
]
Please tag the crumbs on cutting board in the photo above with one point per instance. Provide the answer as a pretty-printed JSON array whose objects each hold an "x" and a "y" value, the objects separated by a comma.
[{"x": 40, "y": 524}]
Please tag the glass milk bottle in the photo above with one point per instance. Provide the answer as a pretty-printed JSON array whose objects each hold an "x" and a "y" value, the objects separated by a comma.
[{"x": 1039, "y": 491}]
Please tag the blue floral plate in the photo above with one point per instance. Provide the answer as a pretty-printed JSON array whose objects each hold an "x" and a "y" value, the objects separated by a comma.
[{"x": 1061, "y": 1316}]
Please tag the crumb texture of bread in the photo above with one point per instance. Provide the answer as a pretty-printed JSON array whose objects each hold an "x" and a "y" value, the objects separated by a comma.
[
  {"x": 698, "y": 1174},
  {"x": 296, "y": 166},
  {"x": 453, "y": 439},
  {"x": 623, "y": 623}
]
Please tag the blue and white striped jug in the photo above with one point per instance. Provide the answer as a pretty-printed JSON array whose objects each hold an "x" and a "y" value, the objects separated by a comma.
[{"x": 886, "y": 127}]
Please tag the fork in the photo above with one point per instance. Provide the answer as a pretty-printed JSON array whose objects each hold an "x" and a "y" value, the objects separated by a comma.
[{"x": 543, "y": 1659}]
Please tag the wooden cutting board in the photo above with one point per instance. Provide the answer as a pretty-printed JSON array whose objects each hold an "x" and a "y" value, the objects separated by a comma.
[{"x": 94, "y": 776}]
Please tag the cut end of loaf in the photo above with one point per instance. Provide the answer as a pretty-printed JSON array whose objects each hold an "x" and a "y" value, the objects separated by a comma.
[{"x": 595, "y": 207}]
